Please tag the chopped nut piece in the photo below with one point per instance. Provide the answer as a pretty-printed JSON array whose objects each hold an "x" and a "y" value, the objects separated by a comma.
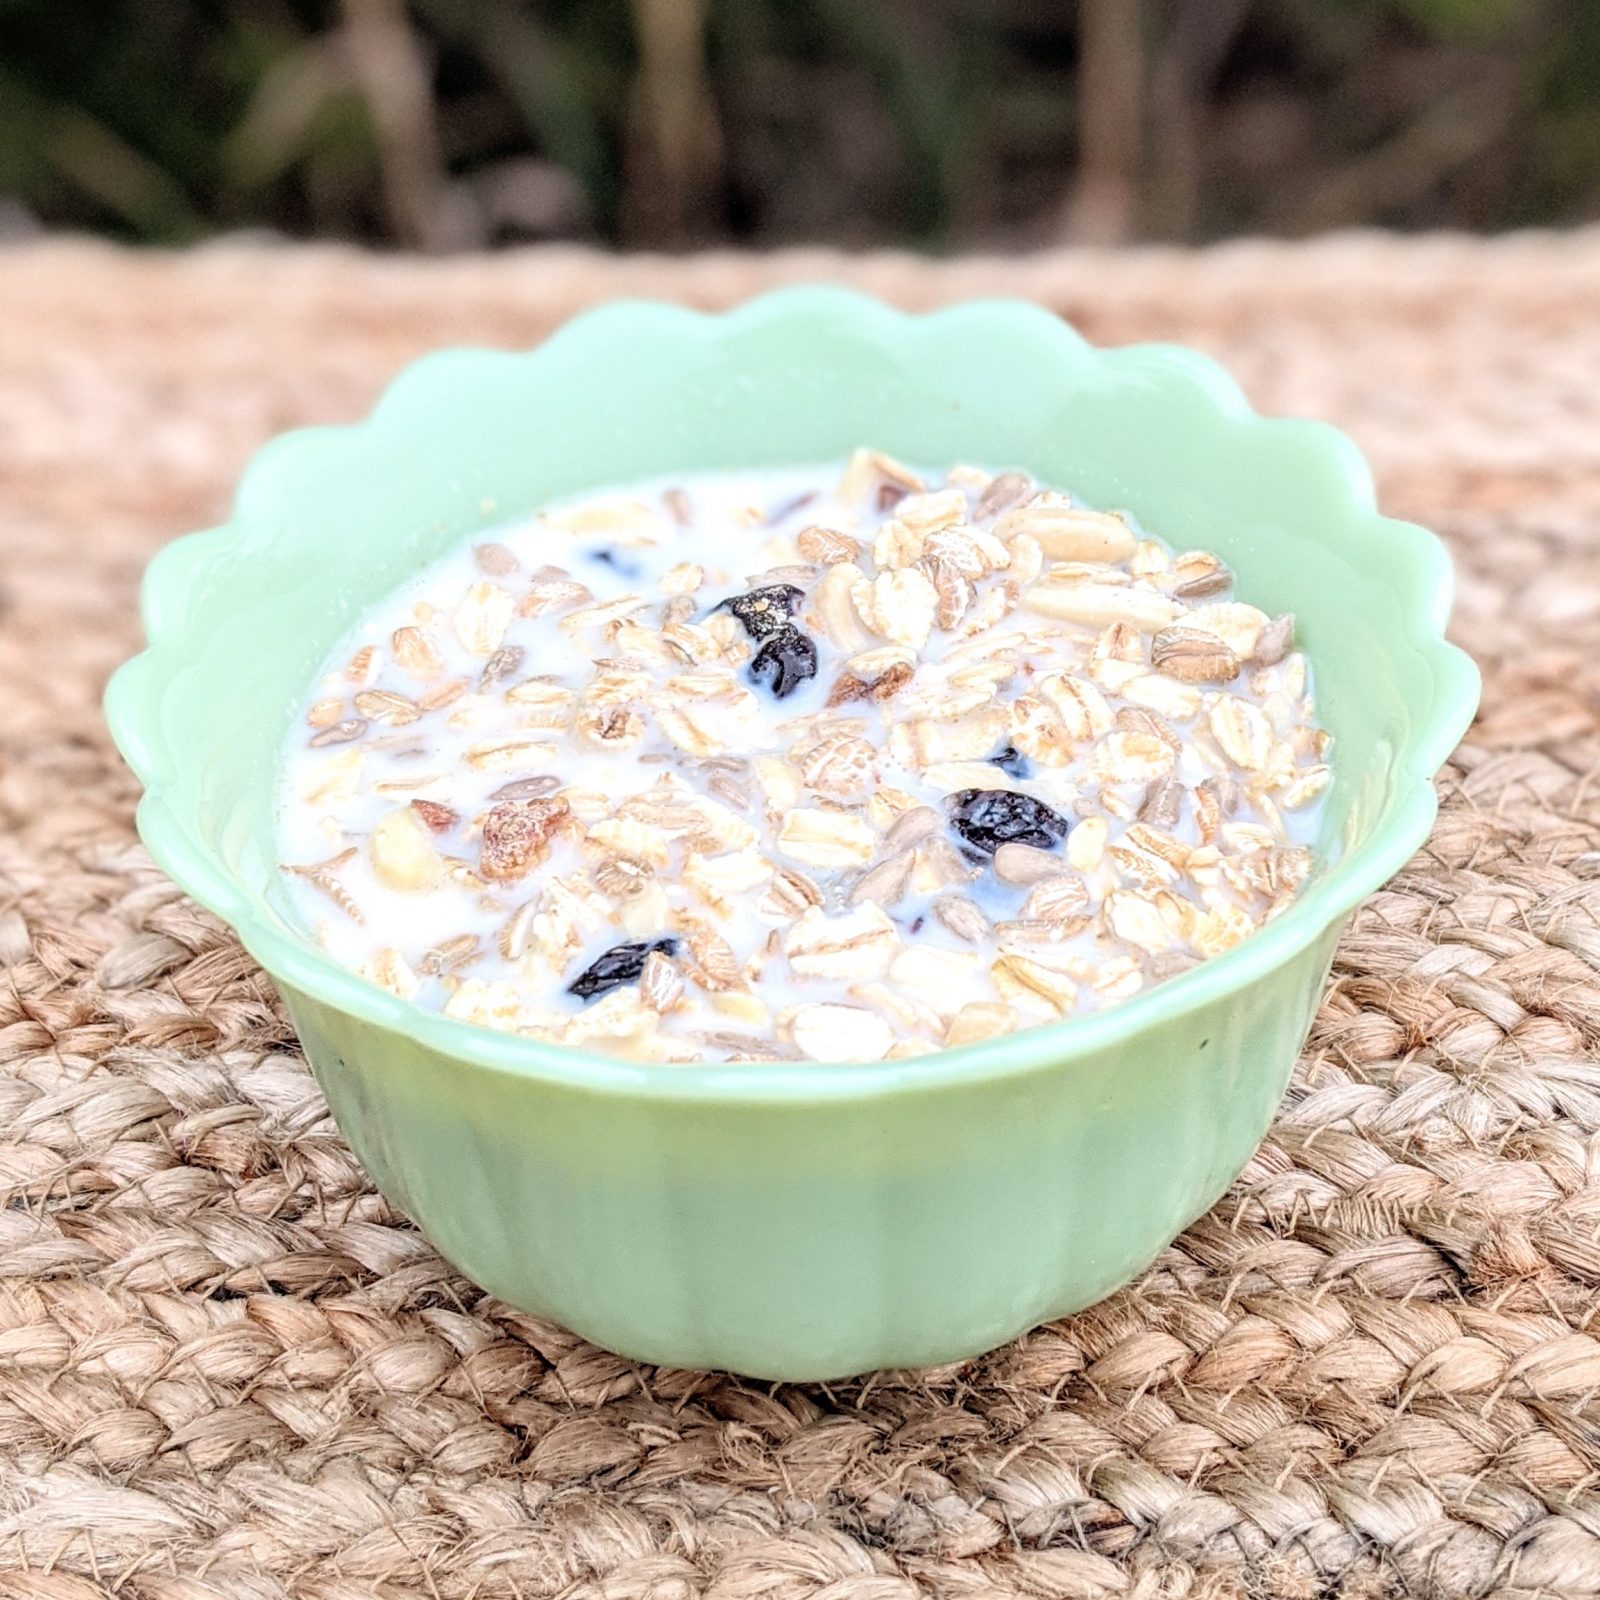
[
  {"x": 516, "y": 836},
  {"x": 437, "y": 818},
  {"x": 873, "y": 675},
  {"x": 402, "y": 853},
  {"x": 1086, "y": 844}
]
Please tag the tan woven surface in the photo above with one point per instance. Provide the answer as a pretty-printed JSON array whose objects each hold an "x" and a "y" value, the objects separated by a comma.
[{"x": 227, "y": 1367}]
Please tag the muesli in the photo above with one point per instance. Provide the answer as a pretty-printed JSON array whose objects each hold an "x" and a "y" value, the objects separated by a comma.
[{"x": 841, "y": 765}]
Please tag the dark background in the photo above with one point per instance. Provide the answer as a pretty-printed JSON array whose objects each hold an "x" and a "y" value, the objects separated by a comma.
[{"x": 942, "y": 124}]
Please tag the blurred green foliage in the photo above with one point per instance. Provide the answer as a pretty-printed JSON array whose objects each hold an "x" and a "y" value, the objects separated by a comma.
[{"x": 954, "y": 123}]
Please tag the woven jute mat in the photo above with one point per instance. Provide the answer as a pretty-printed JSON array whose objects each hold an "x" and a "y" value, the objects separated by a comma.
[{"x": 229, "y": 1368}]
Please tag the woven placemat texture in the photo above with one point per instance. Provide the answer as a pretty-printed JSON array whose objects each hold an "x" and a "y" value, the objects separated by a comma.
[{"x": 229, "y": 1368}]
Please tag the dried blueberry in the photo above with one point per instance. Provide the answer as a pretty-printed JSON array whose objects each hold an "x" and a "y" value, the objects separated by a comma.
[
  {"x": 764, "y": 612},
  {"x": 784, "y": 662},
  {"x": 1010, "y": 759},
  {"x": 621, "y": 964},
  {"x": 989, "y": 818}
]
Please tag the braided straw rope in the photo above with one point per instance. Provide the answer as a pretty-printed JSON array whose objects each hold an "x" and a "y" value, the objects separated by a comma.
[{"x": 228, "y": 1367}]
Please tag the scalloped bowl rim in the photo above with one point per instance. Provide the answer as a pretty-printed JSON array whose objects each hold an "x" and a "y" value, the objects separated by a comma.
[{"x": 134, "y": 695}]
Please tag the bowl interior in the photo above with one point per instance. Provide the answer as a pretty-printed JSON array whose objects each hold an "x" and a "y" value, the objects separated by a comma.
[{"x": 330, "y": 520}]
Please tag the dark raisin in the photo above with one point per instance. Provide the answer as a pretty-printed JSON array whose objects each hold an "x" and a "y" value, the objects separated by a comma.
[
  {"x": 989, "y": 818},
  {"x": 1010, "y": 759},
  {"x": 764, "y": 612},
  {"x": 620, "y": 965},
  {"x": 784, "y": 662}
]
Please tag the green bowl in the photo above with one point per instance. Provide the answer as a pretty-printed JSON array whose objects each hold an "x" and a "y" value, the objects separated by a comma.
[{"x": 795, "y": 1220}]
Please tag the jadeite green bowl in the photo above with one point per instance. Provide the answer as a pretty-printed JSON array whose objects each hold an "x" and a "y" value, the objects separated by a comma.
[{"x": 795, "y": 1220}]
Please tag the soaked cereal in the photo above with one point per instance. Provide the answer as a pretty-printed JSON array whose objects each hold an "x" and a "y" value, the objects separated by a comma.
[{"x": 841, "y": 764}]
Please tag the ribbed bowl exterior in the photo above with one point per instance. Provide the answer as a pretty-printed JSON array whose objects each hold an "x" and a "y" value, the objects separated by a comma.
[{"x": 793, "y": 1241}]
